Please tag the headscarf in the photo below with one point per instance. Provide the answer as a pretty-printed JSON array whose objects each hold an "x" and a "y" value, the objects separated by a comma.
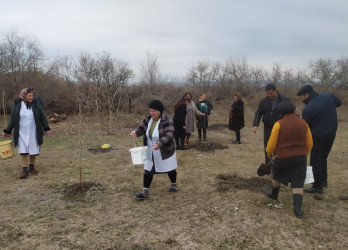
[{"x": 23, "y": 96}]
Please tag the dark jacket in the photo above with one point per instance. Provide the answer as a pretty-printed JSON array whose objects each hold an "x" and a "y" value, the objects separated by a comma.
[
  {"x": 39, "y": 117},
  {"x": 207, "y": 108},
  {"x": 320, "y": 113},
  {"x": 165, "y": 130},
  {"x": 179, "y": 120},
  {"x": 236, "y": 116},
  {"x": 264, "y": 110}
]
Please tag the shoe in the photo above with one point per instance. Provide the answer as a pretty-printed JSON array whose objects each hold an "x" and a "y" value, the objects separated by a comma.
[
  {"x": 236, "y": 142},
  {"x": 33, "y": 171},
  {"x": 173, "y": 188},
  {"x": 23, "y": 175},
  {"x": 141, "y": 196},
  {"x": 273, "y": 193},
  {"x": 183, "y": 148},
  {"x": 297, "y": 205},
  {"x": 313, "y": 190},
  {"x": 177, "y": 147}
]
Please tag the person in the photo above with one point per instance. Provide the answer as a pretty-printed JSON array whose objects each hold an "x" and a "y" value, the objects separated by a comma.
[
  {"x": 157, "y": 129},
  {"x": 38, "y": 98},
  {"x": 179, "y": 120},
  {"x": 321, "y": 116},
  {"x": 236, "y": 117},
  {"x": 267, "y": 111},
  {"x": 205, "y": 107},
  {"x": 290, "y": 141},
  {"x": 190, "y": 116},
  {"x": 29, "y": 123}
]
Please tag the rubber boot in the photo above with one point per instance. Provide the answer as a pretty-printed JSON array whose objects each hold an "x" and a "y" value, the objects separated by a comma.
[
  {"x": 297, "y": 205},
  {"x": 273, "y": 193}
]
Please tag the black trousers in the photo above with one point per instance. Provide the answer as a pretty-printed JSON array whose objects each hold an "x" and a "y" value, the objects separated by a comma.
[
  {"x": 321, "y": 148},
  {"x": 266, "y": 135},
  {"x": 237, "y": 134},
  {"x": 148, "y": 177}
]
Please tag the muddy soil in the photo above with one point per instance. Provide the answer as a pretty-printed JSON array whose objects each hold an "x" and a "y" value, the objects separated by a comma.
[
  {"x": 232, "y": 182},
  {"x": 208, "y": 146}
]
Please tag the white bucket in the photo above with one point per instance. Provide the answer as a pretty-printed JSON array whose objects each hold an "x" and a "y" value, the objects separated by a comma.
[
  {"x": 139, "y": 155},
  {"x": 309, "y": 175}
]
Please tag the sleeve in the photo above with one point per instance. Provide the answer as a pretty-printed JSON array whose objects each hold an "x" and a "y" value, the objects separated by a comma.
[
  {"x": 168, "y": 132},
  {"x": 309, "y": 140},
  {"x": 337, "y": 100},
  {"x": 42, "y": 116},
  {"x": 195, "y": 109},
  {"x": 11, "y": 122},
  {"x": 258, "y": 115},
  {"x": 273, "y": 139},
  {"x": 141, "y": 129}
]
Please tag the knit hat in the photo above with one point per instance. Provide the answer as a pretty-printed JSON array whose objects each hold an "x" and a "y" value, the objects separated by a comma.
[
  {"x": 157, "y": 105},
  {"x": 284, "y": 108},
  {"x": 306, "y": 89}
]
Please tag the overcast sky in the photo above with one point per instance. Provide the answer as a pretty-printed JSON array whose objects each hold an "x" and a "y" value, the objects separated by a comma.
[{"x": 182, "y": 32}]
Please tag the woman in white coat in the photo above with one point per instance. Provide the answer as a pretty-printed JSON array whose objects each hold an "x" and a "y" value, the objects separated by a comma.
[
  {"x": 158, "y": 131},
  {"x": 29, "y": 123}
]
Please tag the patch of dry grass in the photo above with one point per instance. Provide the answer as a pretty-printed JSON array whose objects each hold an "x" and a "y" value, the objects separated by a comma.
[{"x": 215, "y": 207}]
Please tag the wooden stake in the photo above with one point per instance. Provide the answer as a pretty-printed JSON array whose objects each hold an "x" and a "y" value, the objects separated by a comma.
[
  {"x": 4, "y": 106},
  {"x": 80, "y": 141}
]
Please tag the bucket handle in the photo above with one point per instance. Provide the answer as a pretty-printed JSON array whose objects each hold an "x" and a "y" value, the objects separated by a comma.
[{"x": 135, "y": 139}]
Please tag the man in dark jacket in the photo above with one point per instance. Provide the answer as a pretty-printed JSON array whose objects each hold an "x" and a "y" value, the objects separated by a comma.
[
  {"x": 321, "y": 116},
  {"x": 267, "y": 110}
]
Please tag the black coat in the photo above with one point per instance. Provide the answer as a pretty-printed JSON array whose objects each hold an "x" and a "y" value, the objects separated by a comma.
[
  {"x": 207, "y": 108},
  {"x": 179, "y": 120},
  {"x": 264, "y": 110},
  {"x": 320, "y": 113},
  {"x": 236, "y": 116}
]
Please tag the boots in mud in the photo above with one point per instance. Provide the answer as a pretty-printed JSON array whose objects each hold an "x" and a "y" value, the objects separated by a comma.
[
  {"x": 297, "y": 205},
  {"x": 273, "y": 193}
]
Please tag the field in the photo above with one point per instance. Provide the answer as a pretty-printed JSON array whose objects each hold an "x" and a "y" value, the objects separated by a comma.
[{"x": 220, "y": 203}]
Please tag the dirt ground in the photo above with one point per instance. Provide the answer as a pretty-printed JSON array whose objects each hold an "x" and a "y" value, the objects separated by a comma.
[{"x": 220, "y": 203}]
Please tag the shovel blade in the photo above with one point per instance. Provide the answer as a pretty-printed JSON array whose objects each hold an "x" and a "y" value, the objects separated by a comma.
[{"x": 264, "y": 169}]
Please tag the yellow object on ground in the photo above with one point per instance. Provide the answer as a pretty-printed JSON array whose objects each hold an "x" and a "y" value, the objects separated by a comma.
[{"x": 106, "y": 146}]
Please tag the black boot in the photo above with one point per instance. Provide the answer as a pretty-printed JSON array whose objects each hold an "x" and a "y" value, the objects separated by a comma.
[
  {"x": 297, "y": 205},
  {"x": 182, "y": 146},
  {"x": 273, "y": 193}
]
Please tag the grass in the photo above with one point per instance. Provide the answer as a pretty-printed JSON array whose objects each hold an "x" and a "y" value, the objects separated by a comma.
[{"x": 206, "y": 212}]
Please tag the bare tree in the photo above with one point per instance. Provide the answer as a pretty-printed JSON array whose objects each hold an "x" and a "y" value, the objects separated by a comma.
[
  {"x": 327, "y": 71},
  {"x": 150, "y": 73},
  {"x": 20, "y": 60}
]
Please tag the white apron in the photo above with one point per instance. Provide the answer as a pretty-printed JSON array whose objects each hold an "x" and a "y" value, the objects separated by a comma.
[
  {"x": 160, "y": 165},
  {"x": 27, "y": 142}
]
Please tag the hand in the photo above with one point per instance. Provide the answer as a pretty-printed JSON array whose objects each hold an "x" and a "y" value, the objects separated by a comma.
[
  {"x": 5, "y": 135},
  {"x": 155, "y": 146},
  {"x": 203, "y": 114},
  {"x": 133, "y": 134},
  {"x": 49, "y": 132},
  {"x": 184, "y": 127},
  {"x": 254, "y": 129},
  {"x": 269, "y": 156}
]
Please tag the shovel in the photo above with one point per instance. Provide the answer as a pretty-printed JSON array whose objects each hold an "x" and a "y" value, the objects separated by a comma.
[{"x": 264, "y": 168}]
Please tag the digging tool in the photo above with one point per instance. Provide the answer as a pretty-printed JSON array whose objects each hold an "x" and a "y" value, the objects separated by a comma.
[{"x": 264, "y": 168}]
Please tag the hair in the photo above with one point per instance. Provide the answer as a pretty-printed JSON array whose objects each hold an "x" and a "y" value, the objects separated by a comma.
[
  {"x": 239, "y": 96},
  {"x": 270, "y": 86},
  {"x": 29, "y": 90},
  {"x": 188, "y": 93}
]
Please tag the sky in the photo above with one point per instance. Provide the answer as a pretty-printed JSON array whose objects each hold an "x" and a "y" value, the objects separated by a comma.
[{"x": 180, "y": 33}]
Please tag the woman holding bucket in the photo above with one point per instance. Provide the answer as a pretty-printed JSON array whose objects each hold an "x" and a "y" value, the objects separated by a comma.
[
  {"x": 291, "y": 141},
  {"x": 29, "y": 123},
  {"x": 157, "y": 129}
]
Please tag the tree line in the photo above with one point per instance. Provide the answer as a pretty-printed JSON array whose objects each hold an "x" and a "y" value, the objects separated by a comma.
[{"x": 101, "y": 82}]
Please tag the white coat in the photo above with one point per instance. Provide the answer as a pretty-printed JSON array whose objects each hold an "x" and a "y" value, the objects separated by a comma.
[
  {"x": 154, "y": 156},
  {"x": 27, "y": 142}
]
